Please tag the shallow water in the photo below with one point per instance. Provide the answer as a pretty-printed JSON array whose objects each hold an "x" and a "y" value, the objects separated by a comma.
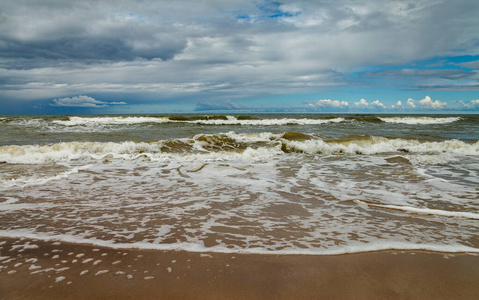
[{"x": 305, "y": 184}]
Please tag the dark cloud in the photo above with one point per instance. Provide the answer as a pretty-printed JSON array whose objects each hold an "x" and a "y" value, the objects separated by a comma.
[
  {"x": 80, "y": 33},
  {"x": 451, "y": 74},
  {"x": 87, "y": 49},
  {"x": 474, "y": 87}
]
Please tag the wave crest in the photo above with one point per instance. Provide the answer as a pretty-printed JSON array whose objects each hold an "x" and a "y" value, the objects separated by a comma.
[
  {"x": 206, "y": 120},
  {"x": 420, "y": 120},
  {"x": 230, "y": 146}
]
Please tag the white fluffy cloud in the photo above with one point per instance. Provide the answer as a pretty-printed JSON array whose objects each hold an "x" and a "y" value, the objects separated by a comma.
[
  {"x": 361, "y": 103},
  {"x": 427, "y": 102},
  {"x": 82, "y": 101},
  {"x": 472, "y": 105},
  {"x": 397, "y": 105},
  {"x": 411, "y": 103},
  {"x": 328, "y": 103},
  {"x": 375, "y": 105}
]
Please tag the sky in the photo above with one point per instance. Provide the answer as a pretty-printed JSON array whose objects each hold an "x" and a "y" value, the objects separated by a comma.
[{"x": 239, "y": 56}]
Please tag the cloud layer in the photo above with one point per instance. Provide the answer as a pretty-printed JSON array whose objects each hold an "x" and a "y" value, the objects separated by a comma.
[{"x": 207, "y": 51}]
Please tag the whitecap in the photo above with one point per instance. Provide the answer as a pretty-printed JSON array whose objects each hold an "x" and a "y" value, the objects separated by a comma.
[
  {"x": 420, "y": 120},
  {"x": 79, "y": 121},
  {"x": 231, "y": 120}
]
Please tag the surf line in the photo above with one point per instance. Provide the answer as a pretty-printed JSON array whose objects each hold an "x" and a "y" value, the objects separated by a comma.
[
  {"x": 200, "y": 248},
  {"x": 423, "y": 211}
]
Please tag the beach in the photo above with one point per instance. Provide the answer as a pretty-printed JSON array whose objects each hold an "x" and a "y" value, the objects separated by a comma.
[
  {"x": 258, "y": 149},
  {"x": 32, "y": 269}
]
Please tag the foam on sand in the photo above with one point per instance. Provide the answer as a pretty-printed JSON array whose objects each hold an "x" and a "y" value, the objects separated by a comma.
[
  {"x": 189, "y": 247},
  {"x": 425, "y": 211},
  {"x": 38, "y": 180}
]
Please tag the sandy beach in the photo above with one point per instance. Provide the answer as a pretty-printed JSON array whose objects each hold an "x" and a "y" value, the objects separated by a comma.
[{"x": 33, "y": 269}]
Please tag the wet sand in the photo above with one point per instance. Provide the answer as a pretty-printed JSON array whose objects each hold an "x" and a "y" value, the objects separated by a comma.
[{"x": 31, "y": 269}]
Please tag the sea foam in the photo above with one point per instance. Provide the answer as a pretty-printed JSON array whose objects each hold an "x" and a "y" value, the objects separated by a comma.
[
  {"x": 420, "y": 120},
  {"x": 227, "y": 120},
  {"x": 37, "y": 180},
  {"x": 78, "y": 121},
  {"x": 231, "y": 120},
  {"x": 425, "y": 211},
  {"x": 200, "y": 248}
]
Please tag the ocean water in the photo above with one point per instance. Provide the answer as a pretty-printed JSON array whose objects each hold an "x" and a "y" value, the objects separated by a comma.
[{"x": 269, "y": 184}]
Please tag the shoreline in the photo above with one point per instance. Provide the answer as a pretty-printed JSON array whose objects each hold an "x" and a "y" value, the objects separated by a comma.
[
  {"x": 373, "y": 248},
  {"x": 35, "y": 269}
]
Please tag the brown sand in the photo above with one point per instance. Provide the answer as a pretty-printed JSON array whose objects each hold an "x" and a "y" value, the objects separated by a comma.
[{"x": 49, "y": 270}]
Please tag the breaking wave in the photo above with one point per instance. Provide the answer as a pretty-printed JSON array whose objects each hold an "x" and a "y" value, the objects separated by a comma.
[
  {"x": 205, "y": 120},
  {"x": 229, "y": 146},
  {"x": 78, "y": 121},
  {"x": 420, "y": 120}
]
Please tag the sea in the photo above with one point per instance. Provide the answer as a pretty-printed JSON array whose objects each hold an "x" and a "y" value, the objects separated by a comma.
[{"x": 306, "y": 184}]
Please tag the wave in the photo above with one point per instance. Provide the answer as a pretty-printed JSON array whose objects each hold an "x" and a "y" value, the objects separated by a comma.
[
  {"x": 228, "y": 146},
  {"x": 201, "y": 148},
  {"x": 38, "y": 180},
  {"x": 424, "y": 211},
  {"x": 205, "y": 120},
  {"x": 200, "y": 248},
  {"x": 420, "y": 120},
  {"x": 366, "y": 119},
  {"x": 36, "y": 122},
  {"x": 79, "y": 121},
  {"x": 266, "y": 122}
]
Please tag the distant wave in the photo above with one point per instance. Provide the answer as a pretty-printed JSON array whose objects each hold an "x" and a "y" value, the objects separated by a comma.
[
  {"x": 420, "y": 120},
  {"x": 267, "y": 122},
  {"x": 206, "y": 120},
  {"x": 27, "y": 122},
  {"x": 77, "y": 121},
  {"x": 93, "y": 123},
  {"x": 228, "y": 146}
]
